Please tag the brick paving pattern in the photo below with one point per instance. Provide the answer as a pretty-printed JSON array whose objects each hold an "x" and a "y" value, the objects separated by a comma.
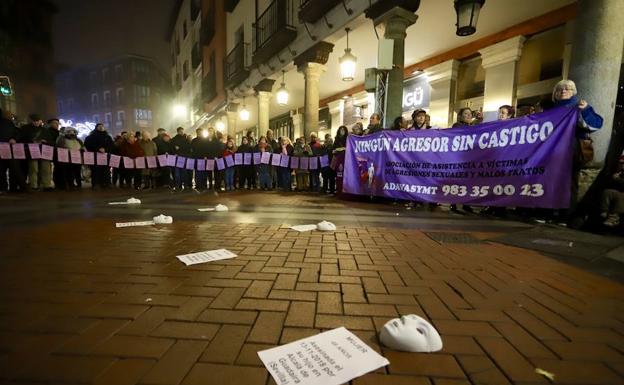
[{"x": 83, "y": 302}]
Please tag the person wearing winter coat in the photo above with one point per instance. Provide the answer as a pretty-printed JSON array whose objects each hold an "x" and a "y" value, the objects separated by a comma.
[
  {"x": 200, "y": 148},
  {"x": 230, "y": 150},
  {"x": 163, "y": 146},
  {"x": 148, "y": 175},
  {"x": 131, "y": 148},
  {"x": 39, "y": 170},
  {"x": 246, "y": 172},
  {"x": 315, "y": 174},
  {"x": 302, "y": 150},
  {"x": 99, "y": 141},
  {"x": 263, "y": 170},
  {"x": 181, "y": 147},
  {"x": 70, "y": 173},
  {"x": 9, "y": 133},
  {"x": 329, "y": 176},
  {"x": 338, "y": 150},
  {"x": 565, "y": 95},
  {"x": 284, "y": 173}
]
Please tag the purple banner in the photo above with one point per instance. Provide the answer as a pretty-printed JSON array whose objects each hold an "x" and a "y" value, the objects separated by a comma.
[
  {"x": 294, "y": 162},
  {"x": 20, "y": 153},
  {"x": 62, "y": 155},
  {"x": 151, "y": 162},
  {"x": 524, "y": 162}
]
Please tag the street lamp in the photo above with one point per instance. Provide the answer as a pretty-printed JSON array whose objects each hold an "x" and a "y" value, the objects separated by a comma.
[
  {"x": 467, "y": 16},
  {"x": 282, "y": 92},
  {"x": 244, "y": 112},
  {"x": 220, "y": 125},
  {"x": 347, "y": 62},
  {"x": 179, "y": 110}
]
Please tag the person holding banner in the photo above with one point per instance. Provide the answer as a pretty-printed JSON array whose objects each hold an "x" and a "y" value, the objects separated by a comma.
[
  {"x": 274, "y": 147},
  {"x": 132, "y": 150},
  {"x": 39, "y": 170},
  {"x": 302, "y": 150},
  {"x": 10, "y": 134},
  {"x": 99, "y": 141},
  {"x": 464, "y": 118},
  {"x": 315, "y": 147},
  {"x": 419, "y": 120},
  {"x": 148, "y": 175},
  {"x": 70, "y": 175},
  {"x": 246, "y": 172},
  {"x": 263, "y": 170},
  {"x": 230, "y": 150},
  {"x": 565, "y": 94},
  {"x": 215, "y": 149},
  {"x": 284, "y": 173},
  {"x": 181, "y": 148}
]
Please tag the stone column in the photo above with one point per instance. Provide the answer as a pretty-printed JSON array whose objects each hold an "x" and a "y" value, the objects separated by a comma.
[
  {"x": 443, "y": 81},
  {"x": 264, "y": 99},
  {"x": 567, "y": 48},
  {"x": 312, "y": 73},
  {"x": 297, "y": 120},
  {"x": 336, "y": 110},
  {"x": 264, "y": 93},
  {"x": 394, "y": 23},
  {"x": 500, "y": 62},
  {"x": 596, "y": 60}
]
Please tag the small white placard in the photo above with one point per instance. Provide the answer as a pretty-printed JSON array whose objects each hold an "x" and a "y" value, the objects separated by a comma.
[
  {"x": 132, "y": 224},
  {"x": 302, "y": 228},
  {"x": 207, "y": 209},
  {"x": 331, "y": 358},
  {"x": 205, "y": 256}
]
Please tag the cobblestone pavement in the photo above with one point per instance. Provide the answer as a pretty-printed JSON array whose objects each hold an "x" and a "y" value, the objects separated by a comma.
[{"x": 83, "y": 302}]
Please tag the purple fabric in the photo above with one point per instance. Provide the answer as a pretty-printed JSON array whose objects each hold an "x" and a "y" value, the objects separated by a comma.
[{"x": 524, "y": 162}]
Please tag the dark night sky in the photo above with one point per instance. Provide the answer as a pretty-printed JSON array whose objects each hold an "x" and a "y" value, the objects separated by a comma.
[{"x": 88, "y": 31}]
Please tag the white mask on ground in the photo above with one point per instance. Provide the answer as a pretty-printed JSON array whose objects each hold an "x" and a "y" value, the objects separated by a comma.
[{"x": 410, "y": 333}]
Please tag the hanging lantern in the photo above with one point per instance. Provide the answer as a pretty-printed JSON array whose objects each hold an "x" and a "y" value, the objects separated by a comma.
[
  {"x": 347, "y": 62},
  {"x": 282, "y": 92},
  {"x": 467, "y": 16},
  {"x": 244, "y": 112}
]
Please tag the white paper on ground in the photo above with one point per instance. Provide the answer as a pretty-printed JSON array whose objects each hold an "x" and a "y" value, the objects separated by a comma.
[
  {"x": 331, "y": 358},
  {"x": 132, "y": 224},
  {"x": 205, "y": 256},
  {"x": 207, "y": 209},
  {"x": 303, "y": 228}
]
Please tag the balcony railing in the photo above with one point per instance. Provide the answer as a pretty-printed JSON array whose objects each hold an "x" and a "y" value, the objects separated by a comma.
[
  {"x": 196, "y": 57},
  {"x": 208, "y": 27},
  {"x": 236, "y": 65},
  {"x": 209, "y": 87},
  {"x": 273, "y": 30},
  {"x": 310, "y": 11}
]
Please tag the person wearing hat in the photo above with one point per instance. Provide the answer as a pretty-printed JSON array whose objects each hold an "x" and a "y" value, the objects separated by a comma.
[{"x": 419, "y": 120}]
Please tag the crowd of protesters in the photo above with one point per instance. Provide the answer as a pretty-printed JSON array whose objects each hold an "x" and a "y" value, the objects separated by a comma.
[{"x": 45, "y": 175}]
